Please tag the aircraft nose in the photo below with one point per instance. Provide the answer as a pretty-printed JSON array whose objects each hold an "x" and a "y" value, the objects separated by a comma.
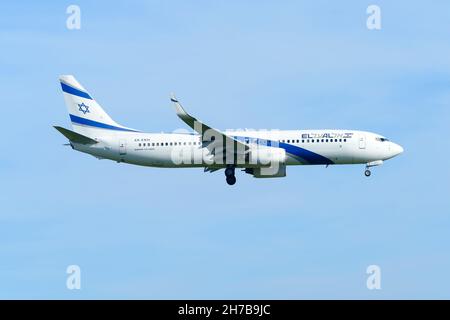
[{"x": 396, "y": 149}]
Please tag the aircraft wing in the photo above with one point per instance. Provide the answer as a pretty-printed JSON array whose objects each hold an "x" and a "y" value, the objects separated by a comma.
[{"x": 209, "y": 134}]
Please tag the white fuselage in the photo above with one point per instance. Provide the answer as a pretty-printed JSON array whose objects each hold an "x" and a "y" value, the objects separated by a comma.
[
  {"x": 303, "y": 147},
  {"x": 261, "y": 153}
]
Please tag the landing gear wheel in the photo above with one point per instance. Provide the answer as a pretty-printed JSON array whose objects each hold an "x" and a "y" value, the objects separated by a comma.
[
  {"x": 367, "y": 173},
  {"x": 229, "y": 172},
  {"x": 231, "y": 180}
]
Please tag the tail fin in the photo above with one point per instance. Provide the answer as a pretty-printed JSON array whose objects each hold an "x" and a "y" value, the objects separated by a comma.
[{"x": 86, "y": 114}]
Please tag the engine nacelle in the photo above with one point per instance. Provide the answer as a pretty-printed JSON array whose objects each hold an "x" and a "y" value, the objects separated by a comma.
[
  {"x": 266, "y": 156},
  {"x": 274, "y": 171}
]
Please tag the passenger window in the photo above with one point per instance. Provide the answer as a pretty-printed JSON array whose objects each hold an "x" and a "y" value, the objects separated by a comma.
[
  {"x": 167, "y": 143},
  {"x": 139, "y": 144},
  {"x": 303, "y": 141},
  {"x": 345, "y": 140},
  {"x": 340, "y": 140},
  {"x": 322, "y": 140}
]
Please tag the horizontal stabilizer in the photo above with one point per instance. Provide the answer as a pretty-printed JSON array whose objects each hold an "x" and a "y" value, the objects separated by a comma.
[{"x": 75, "y": 137}]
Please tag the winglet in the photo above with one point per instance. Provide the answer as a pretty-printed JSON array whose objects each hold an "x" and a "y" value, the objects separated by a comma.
[
  {"x": 173, "y": 98},
  {"x": 181, "y": 113}
]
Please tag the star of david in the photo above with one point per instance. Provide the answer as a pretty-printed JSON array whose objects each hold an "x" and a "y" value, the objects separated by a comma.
[{"x": 83, "y": 108}]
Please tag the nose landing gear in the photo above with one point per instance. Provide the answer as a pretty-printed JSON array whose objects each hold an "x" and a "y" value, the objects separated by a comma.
[
  {"x": 367, "y": 173},
  {"x": 230, "y": 177}
]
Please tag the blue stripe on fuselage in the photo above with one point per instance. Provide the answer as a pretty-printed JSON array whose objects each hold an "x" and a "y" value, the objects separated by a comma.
[
  {"x": 309, "y": 156},
  {"x": 92, "y": 123},
  {"x": 297, "y": 152}
]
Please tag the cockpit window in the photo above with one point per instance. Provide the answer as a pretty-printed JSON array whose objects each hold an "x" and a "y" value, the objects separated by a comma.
[{"x": 381, "y": 139}]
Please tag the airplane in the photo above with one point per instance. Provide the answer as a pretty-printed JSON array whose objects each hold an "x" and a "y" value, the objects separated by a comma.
[{"x": 261, "y": 153}]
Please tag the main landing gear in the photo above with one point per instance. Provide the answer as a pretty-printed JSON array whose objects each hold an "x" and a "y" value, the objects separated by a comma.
[
  {"x": 367, "y": 173},
  {"x": 229, "y": 173}
]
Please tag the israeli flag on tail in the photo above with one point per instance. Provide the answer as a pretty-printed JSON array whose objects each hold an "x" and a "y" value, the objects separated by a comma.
[{"x": 87, "y": 116}]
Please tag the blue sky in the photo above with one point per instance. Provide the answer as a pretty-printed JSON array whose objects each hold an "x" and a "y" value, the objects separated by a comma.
[{"x": 152, "y": 233}]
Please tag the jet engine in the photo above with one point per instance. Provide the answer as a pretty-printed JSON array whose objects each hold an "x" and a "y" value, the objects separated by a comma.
[
  {"x": 266, "y": 156},
  {"x": 268, "y": 172},
  {"x": 267, "y": 162}
]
